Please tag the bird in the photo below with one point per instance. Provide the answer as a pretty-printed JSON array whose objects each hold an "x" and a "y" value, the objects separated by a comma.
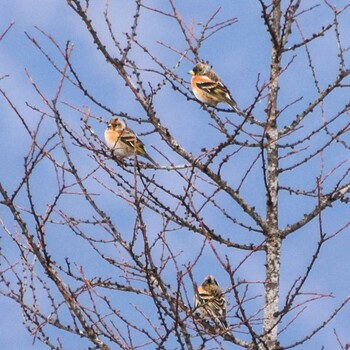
[
  {"x": 123, "y": 141},
  {"x": 211, "y": 303},
  {"x": 208, "y": 87}
]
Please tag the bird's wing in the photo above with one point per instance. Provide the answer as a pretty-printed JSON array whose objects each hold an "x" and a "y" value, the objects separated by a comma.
[
  {"x": 129, "y": 138},
  {"x": 208, "y": 85},
  {"x": 215, "y": 88},
  {"x": 217, "y": 309},
  {"x": 219, "y": 304}
]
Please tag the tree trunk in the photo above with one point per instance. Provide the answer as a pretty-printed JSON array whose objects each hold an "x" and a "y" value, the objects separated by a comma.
[{"x": 273, "y": 239}]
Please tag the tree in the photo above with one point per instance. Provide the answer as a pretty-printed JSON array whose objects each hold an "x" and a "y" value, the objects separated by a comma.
[{"x": 109, "y": 253}]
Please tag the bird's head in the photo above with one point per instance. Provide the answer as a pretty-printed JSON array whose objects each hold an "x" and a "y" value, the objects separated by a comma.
[
  {"x": 210, "y": 281},
  {"x": 116, "y": 124},
  {"x": 200, "y": 69}
]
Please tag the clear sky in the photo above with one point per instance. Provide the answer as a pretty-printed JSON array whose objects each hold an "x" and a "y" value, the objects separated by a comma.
[{"x": 239, "y": 54}]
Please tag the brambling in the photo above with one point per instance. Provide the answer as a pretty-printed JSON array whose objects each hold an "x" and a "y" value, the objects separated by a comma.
[
  {"x": 208, "y": 87},
  {"x": 211, "y": 302},
  {"x": 123, "y": 141}
]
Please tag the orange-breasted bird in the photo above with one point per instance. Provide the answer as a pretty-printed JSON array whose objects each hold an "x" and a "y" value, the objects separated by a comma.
[
  {"x": 123, "y": 141},
  {"x": 208, "y": 87},
  {"x": 211, "y": 303}
]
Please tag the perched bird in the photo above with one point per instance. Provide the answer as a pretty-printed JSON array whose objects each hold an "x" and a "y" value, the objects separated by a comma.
[
  {"x": 123, "y": 141},
  {"x": 211, "y": 303},
  {"x": 208, "y": 87}
]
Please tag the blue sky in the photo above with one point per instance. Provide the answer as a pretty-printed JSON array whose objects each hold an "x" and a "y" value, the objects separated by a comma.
[{"x": 239, "y": 54}]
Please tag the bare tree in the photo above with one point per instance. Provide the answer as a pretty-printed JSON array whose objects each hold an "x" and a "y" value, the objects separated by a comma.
[{"x": 109, "y": 252}]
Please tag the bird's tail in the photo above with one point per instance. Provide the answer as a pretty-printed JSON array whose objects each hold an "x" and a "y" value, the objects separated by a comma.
[
  {"x": 150, "y": 158},
  {"x": 232, "y": 103}
]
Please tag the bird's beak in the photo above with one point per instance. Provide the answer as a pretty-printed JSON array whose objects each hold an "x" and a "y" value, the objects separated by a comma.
[{"x": 191, "y": 72}]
